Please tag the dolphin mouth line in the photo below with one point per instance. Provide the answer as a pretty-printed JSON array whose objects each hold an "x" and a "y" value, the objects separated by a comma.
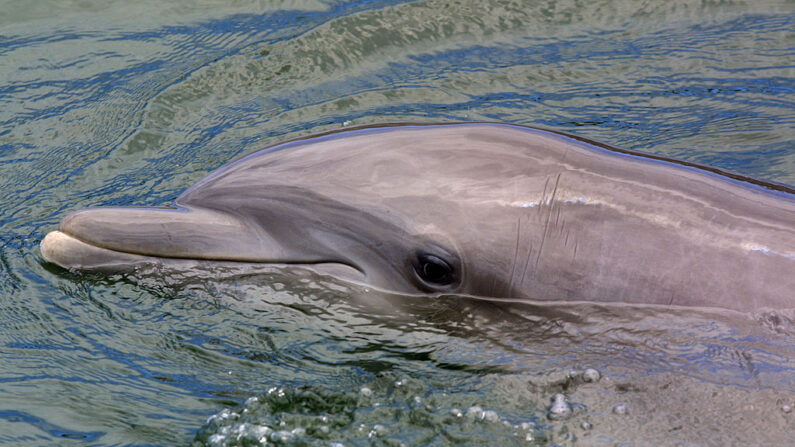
[{"x": 72, "y": 253}]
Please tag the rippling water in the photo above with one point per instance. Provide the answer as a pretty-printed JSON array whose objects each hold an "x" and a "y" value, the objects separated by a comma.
[{"x": 128, "y": 103}]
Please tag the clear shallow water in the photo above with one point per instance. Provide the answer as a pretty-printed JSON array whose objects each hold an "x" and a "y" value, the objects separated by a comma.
[{"x": 124, "y": 104}]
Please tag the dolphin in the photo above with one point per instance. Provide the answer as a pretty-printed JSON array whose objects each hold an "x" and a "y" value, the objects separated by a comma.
[{"x": 482, "y": 209}]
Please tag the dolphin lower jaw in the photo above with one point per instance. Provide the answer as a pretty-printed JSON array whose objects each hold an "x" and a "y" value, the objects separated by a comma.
[{"x": 71, "y": 253}]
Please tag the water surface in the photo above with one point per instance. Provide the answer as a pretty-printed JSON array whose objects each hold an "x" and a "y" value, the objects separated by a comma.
[{"x": 129, "y": 103}]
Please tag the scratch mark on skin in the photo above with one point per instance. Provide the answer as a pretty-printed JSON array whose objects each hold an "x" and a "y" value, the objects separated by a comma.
[
  {"x": 549, "y": 217},
  {"x": 515, "y": 254},
  {"x": 550, "y": 202},
  {"x": 541, "y": 202},
  {"x": 557, "y": 214}
]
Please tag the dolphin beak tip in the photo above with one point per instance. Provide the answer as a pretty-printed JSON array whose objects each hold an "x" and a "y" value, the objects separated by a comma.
[
  {"x": 68, "y": 252},
  {"x": 52, "y": 247}
]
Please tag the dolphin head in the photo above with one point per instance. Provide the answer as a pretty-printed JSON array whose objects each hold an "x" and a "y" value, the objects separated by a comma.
[
  {"x": 480, "y": 209},
  {"x": 406, "y": 209}
]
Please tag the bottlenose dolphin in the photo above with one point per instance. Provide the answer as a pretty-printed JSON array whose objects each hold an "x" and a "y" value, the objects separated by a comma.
[{"x": 483, "y": 209}]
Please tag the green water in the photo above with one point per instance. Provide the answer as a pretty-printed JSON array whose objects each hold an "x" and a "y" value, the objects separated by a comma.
[{"x": 129, "y": 103}]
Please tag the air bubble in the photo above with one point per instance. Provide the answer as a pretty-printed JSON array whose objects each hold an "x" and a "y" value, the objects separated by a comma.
[
  {"x": 621, "y": 409},
  {"x": 475, "y": 412},
  {"x": 216, "y": 439},
  {"x": 560, "y": 409},
  {"x": 591, "y": 375},
  {"x": 261, "y": 432},
  {"x": 491, "y": 416},
  {"x": 281, "y": 436},
  {"x": 378, "y": 431}
]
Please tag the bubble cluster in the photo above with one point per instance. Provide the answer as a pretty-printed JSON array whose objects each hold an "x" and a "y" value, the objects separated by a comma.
[
  {"x": 281, "y": 417},
  {"x": 396, "y": 413},
  {"x": 564, "y": 381}
]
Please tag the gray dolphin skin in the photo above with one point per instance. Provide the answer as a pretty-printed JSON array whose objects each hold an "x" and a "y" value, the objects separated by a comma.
[{"x": 483, "y": 209}]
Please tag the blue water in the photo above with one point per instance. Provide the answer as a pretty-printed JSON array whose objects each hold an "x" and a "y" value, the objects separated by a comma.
[{"x": 110, "y": 103}]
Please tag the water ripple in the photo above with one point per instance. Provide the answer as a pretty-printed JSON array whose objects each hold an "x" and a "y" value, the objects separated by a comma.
[{"x": 118, "y": 104}]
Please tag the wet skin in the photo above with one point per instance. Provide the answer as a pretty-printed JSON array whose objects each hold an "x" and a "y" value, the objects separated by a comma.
[{"x": 484, "y": 209}]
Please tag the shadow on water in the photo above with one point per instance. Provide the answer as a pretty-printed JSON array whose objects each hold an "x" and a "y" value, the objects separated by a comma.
[{"x": 129, "y": 103}]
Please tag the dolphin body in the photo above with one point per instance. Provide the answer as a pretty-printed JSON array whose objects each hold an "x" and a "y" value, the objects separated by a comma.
[{"x": 483, "y": 209}]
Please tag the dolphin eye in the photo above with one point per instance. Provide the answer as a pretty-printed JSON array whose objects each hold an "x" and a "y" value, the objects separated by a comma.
[{"x": 434, "y": 270}]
